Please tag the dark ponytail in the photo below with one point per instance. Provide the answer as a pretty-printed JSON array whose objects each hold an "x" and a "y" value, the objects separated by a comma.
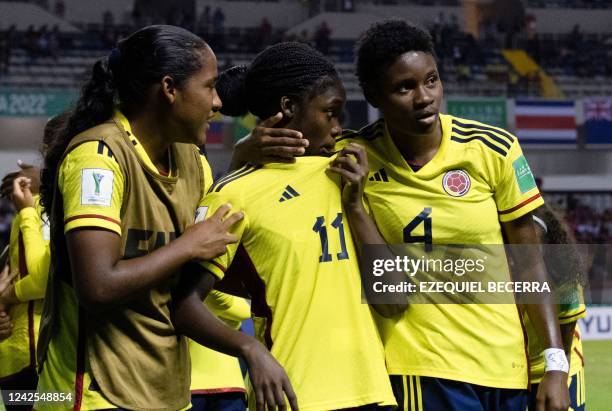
[
  {"x": 289, "y": 69},
  {"x": 95, "y": 105},
  {"x": 123, "y": 79}
]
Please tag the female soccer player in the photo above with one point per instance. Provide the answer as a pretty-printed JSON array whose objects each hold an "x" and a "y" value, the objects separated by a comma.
[
  {"x": 121, "y": 184},
  {"x": 564, "y": 264},
  {"x": 451, "y": 357},
  {"x": 296, "y": 257},
  {"x": 23, "y": 289}
]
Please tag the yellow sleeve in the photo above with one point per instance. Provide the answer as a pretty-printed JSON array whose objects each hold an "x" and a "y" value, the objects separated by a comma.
[
  {"x": 516, "y": 192},
  {"x": 228, "y": 307},
  {"x": 207, "y": 208},
  {"x": 572, "y": 307},
  {"x": 37, "y": 256},
  {"x": 91, "y": 184}
]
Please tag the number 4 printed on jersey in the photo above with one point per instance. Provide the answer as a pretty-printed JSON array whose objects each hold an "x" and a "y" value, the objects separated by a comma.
[
  {"x": 320, "y": 228},
  {"x": 427, "y": 238}
]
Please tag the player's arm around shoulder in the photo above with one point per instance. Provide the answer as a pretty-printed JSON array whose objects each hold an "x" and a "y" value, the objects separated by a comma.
[{"x": 91, "y": 184}]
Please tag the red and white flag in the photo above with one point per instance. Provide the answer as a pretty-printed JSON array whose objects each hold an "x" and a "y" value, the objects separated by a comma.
[{"x": 546, "y": 122}]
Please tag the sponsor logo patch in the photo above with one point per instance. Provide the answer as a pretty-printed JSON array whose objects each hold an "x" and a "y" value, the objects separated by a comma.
[
  {"x": 96, "y": 186},
  {"x": 523, "y": 175}
]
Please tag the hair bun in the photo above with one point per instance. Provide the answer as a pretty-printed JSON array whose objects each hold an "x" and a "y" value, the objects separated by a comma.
[{"x": 231, "y": 87}]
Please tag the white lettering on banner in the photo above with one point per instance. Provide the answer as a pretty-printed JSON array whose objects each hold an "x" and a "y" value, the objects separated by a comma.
[
  {"x": 23, "y": 104},
  {"x": 597, "y": 325}
]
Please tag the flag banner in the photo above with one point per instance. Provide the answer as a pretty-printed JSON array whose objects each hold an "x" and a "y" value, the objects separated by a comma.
[
  {"x": 546, "y": 123},
  {"x": 241, "y": 126},
  {"x": 598, "y": 122},
  {"x": 215, "y": 134},
  {"x": 490, "y": 111}
]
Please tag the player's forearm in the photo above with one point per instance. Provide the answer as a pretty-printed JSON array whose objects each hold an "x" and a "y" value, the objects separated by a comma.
[
  {"x": 101, "y": 284},
  {"x": 363, "y": 227},
  {"x": 193, "y": 319},
  {"x": 543, "y": 315},
  {"x": 37, "y": 251},
  {"x": 365, "y": 233},
  {"x": 37, "y": 257},
  {"x": 530, "y": 268}
]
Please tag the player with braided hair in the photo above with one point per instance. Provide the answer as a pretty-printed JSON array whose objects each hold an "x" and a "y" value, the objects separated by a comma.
[
  {"x": 121, "y": 183},
  {"x": 307, "y": 309},
  {"x": 567, "y": 270}
]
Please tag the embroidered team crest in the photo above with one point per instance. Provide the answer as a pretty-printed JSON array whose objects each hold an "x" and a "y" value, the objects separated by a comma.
[{"x": 456, "y": 183}]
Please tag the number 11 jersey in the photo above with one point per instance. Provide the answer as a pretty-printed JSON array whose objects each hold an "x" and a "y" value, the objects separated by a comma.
[{"x": 297, "y": 260}]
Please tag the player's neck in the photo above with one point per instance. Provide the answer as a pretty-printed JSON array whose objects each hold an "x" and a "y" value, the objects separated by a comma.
[
  {"x": 150, "y": 133},
  {"x": 417, "y": 149}
]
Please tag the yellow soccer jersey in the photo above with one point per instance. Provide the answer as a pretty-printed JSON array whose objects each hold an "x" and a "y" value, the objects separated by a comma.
[
  {"x": 568, "y": 313},
  {"x": 29, "y": 255},
  {"x": 211, "y": 371},
  {"x": 297, "y": 260},
  {"x": 63, "y": 371},
  {"x": 478, "y": 344}
]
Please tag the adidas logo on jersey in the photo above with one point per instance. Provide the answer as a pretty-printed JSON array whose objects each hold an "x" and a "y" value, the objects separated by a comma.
[
  {"x": 288, "y": 194},
  {"x": 380, "y": 175}
]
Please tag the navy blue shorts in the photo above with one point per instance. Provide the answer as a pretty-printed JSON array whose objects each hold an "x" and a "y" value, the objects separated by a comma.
[
  {"x": 414, "y": 393},
  {"x": 577, "y": 392},
  {"x": 224, "y": 401}
]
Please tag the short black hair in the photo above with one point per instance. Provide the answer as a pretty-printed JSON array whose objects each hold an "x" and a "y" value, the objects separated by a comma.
[
  {"x": 381, "y": 44},
  {"x": 285, "y": 69}
]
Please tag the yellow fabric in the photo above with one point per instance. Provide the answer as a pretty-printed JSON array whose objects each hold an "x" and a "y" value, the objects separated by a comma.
[
  {"x": 35, "y": 233},
  {"x": 212, "y": 371},
  {"x": 478, "y": 344},
  {"x": 76, "y": 215},
  {"x": 57, "y": 379},
  {"x": 18, "y": 351},
  {"x": 64, "y": 352},
  {"x": 309, "y": 313}
]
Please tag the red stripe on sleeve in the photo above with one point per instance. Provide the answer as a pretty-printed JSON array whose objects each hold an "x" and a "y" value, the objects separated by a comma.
[
  {"x": 102, "y": 217},
  {"x": 219, "y": 266},
  {"x": 524, "y": 203}
]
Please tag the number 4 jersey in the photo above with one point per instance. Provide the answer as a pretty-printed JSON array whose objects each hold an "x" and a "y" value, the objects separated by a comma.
[
  {"x": 297, "y": 260},
  {"x": 477, "y": 178}
]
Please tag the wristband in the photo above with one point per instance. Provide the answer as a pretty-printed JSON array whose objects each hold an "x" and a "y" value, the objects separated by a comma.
[{"x": 555, "y": 360}]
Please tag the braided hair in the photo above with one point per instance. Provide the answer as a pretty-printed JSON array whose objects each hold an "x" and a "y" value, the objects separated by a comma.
[
  {"x": 288, "y": 69},
  {"x": 565, "y": 264}
]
